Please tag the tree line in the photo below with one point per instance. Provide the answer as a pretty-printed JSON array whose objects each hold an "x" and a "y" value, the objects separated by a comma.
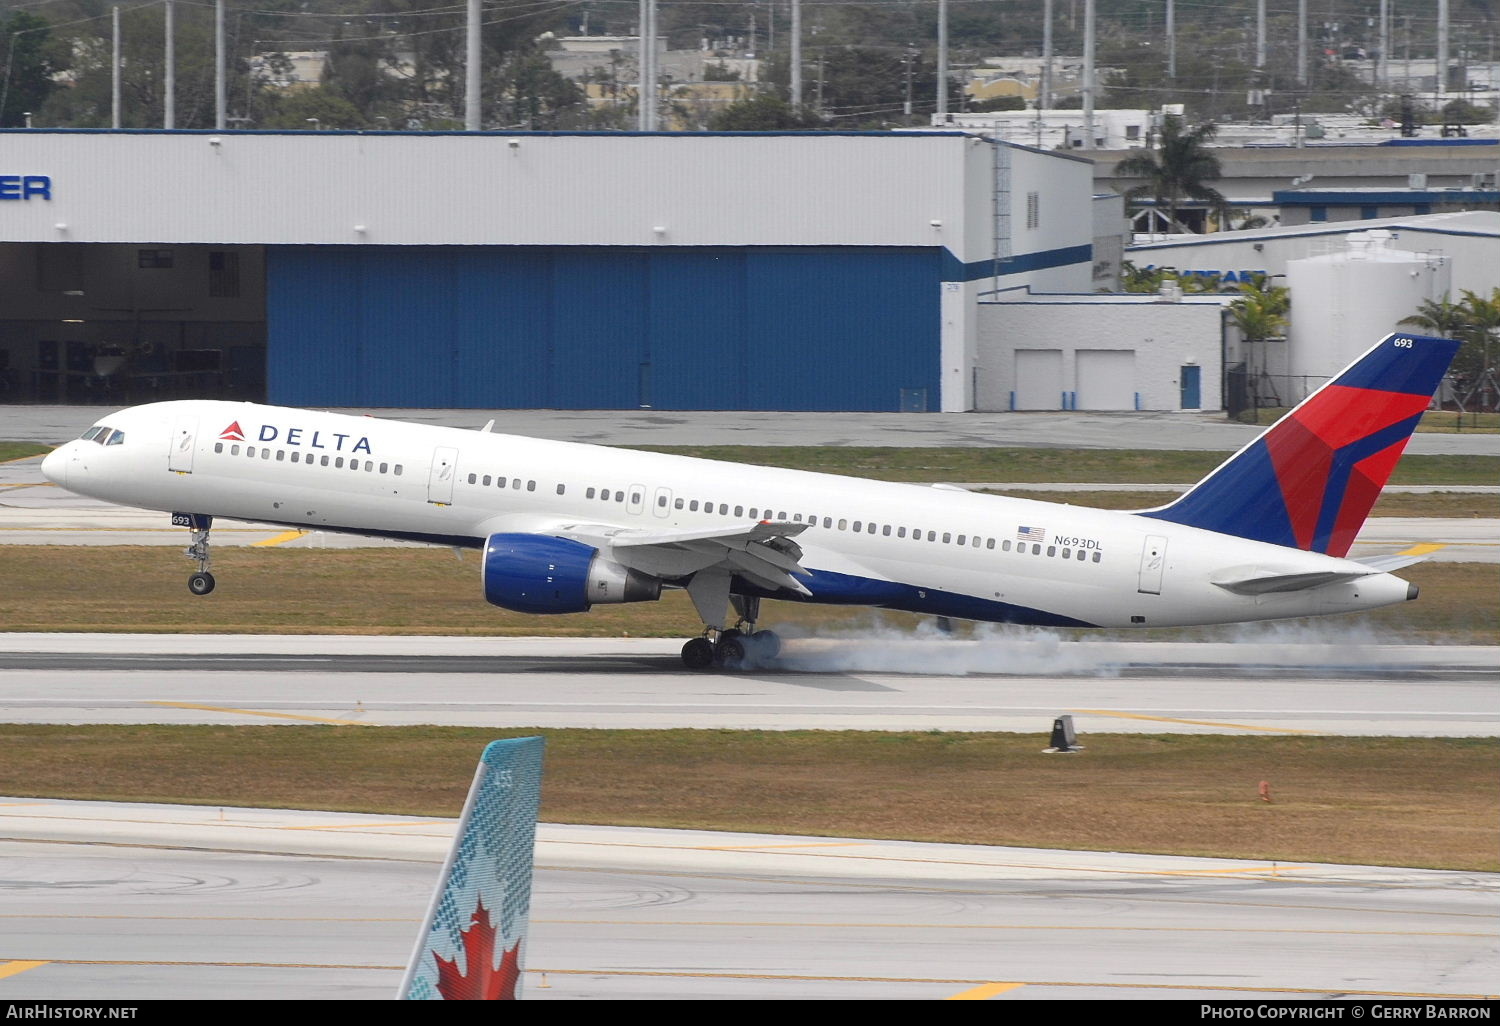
[{"x": 399, "y": 63}]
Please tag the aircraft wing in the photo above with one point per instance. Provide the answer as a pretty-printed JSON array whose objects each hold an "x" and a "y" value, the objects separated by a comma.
[
  {"x": 759, "y": 551},
  {"x": 763, "y": 552}
]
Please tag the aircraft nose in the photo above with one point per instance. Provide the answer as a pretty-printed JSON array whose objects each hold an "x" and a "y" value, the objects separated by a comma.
[{"x": 55, "y": 466}]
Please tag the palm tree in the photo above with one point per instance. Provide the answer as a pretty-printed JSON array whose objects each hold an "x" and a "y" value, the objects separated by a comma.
[
  {"x": 1475, "y": 362},
  {"x": 1260, "y": 310},
  {"x": 1475, "y": 322},
  {"x": 1177, "y": 170},
  {"x": 1438, "y": 317}
]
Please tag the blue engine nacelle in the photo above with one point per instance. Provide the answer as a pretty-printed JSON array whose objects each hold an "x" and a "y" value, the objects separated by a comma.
[{"x": 536, "y": 573}]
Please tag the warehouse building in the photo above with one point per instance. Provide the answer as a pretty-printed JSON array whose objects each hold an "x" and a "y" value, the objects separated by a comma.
[{"x": 582, "y": 271}]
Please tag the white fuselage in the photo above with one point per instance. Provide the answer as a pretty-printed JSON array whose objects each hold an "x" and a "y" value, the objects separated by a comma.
[{"x": 937, "y": 550}]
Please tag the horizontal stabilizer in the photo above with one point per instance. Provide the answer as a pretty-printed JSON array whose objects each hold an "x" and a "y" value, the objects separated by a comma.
[
  {"x": 1386, "y": 564},
  {"x": 1257, "y": 580}
]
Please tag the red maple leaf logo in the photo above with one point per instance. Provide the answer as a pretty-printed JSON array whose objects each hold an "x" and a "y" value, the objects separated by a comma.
[
  {"x": 233, "y": 433},
  {"x": 484, "y": 982}
]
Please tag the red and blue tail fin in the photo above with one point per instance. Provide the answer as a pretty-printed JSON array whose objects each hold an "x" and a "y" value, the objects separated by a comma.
[{"x": 1309, "y": 481}]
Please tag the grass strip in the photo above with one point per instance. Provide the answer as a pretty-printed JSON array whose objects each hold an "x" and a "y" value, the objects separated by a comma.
[
  {"x": 1425, "y": 802},
  {"x": 21, "y": 450}
]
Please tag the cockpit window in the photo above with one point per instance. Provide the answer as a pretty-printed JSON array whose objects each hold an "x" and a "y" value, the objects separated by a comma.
[
  {"x": 95, "y": 433},
  {"x": 116, "y": 438}
]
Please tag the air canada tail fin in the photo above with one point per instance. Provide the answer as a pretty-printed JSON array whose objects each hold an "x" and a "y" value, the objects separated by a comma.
[
  {"x": 1309, "y": 481},
  {"x": 472, "y": 944}
]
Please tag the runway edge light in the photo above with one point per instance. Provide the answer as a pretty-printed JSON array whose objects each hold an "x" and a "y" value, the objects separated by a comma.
[
  {"x": 472, "y": 943},
  {"x": 1064, "y": 740}
]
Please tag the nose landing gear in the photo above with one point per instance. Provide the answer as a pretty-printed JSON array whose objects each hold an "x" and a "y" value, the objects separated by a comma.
[{"x": 202, "y": 582}]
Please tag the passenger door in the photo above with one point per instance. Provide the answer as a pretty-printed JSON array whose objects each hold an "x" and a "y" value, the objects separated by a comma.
[
  {"x": 184, "y": 441},
  {"x": 440, "y": 479},
  {"x": 1153, "y": 562}
]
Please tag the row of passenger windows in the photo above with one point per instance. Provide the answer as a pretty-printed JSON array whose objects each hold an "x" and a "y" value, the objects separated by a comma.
[
  {"x": 858, "y": 526},
  {"x": 756, "y": 513},
  {"x": 309, "y": 458},
  {"x": 512, "y": 482}
]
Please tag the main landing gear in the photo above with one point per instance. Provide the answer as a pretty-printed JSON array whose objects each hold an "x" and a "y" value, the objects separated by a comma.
[
  {"x": 733, "y": 647},
  {"x": 202, "y": 582}
]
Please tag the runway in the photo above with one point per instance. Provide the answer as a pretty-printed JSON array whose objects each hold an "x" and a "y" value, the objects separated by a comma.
[
  {"x": 135, "y": 902},
  {"x": 1003, "y": 683}
]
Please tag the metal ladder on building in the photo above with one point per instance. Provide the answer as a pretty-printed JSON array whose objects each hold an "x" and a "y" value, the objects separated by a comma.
[{"x": 1002, "y": 205}]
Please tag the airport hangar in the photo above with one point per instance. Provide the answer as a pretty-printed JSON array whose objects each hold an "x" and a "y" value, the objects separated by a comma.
[{"x": 795, "y": 271}]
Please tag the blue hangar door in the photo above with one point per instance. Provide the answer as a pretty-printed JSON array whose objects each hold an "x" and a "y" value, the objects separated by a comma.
[{"x": 802, "y": 328}]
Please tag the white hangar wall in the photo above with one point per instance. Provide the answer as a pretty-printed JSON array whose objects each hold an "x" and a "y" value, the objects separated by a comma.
[
  {"x": 1470, "y": 239},
  {"x": 1040, "y": 225},
  {"x": 461, "y": 189},
  {"x": 1101, "y": 352}
]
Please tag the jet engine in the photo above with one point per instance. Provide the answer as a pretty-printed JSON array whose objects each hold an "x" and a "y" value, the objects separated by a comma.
[{"x": 534, "y": 573}]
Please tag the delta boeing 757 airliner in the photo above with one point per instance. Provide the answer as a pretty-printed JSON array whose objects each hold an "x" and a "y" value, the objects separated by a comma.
[{"x": 564, "y": 526}]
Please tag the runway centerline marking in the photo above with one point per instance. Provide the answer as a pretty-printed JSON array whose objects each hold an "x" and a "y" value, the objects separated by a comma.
[
  {"x": 985, "y": 992},
  {"x": 257, "y": 712},
  {"x": 12, "y": 968},
  {"x": 1196, "y": 723}
]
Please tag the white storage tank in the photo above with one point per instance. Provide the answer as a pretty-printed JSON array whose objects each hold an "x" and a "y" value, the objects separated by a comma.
[{"x": 1343, "y": 302}]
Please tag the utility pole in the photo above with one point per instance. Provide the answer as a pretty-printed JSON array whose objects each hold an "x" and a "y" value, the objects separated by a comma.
[
  {"x": 1171, "y": 37},
  {"x": 169, "y": 63},
  {"x": 221, "y": 95},
  {"x": 1088, "y": 74},
  {"x": 646, "y": 105},
  {"x": 942, "y": 61},
  {"x": 1260, "y": 34},
  {"x": 653, "y": 83},
  {"x": 1302, "y": 43},
  {"x": 906, "y": 107},
  {"x": 1046, "y": 96},
  {"x": 1442, "y": 50},
  {"x": 796, "y": 68},
  {"x": 473, "y": 48},
  {"x": 114, "y": 69},
  {"x": 1383, "y": 61}
]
